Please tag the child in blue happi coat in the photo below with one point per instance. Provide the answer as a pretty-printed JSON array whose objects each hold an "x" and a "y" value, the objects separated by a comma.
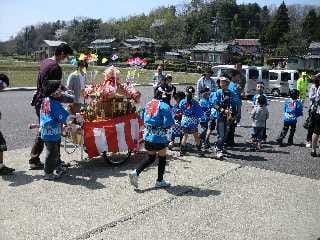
[
  {"x": 206, "y": 123},
  {"x": 292, "y": 110},
  {"x": 157, "y": 117},
  {"x": 176, "y": 130},
  {"x": 223, "y": 109},
  {"x": 259, "y": 92},
  {"x": 52, "y": 116},
  {"x": 191, "y": 113}
]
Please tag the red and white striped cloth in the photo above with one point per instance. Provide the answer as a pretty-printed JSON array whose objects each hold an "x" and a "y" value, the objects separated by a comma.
[{"x": 113, "y": 135}]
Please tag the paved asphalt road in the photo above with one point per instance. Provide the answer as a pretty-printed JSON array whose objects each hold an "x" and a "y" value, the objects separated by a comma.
[{"x": 17, "y": 115}]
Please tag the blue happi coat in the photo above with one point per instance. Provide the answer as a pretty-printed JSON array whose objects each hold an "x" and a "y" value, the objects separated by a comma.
[
  {"x": 157, "y": 117},
  {"x": 175, "y": 130},
  {"x": 292, "y": 110},
  {"x": 52, "y": 115},
  {"x": 233, "y": 88},
  {"x": 205, "y": 105},
  {"x": 222, "y": 99},
  {"x": 191, "y": 113}
]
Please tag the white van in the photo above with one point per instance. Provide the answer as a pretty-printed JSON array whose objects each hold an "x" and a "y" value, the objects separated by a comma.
[
  {"x": 279, "y": 82},
  {"x": 250, "y": 73},
  {"x": 252, "y": 76},
  {"x": 265, "y": 78},
  {"x": 294, "y": 76}
]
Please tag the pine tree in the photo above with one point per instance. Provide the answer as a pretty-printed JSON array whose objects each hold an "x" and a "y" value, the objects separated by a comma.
[
  {"x": 279, "y": 27},
  {"x": 283, "y": 19},
  {"x": 236, "y": 27},
  {"x": 310, "y": 26}
]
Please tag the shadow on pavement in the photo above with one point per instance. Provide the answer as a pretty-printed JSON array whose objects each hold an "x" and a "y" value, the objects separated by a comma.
[
  {"x": 87, "y": 173},
  {"x": 244, "y": 126},
  {"x": 84, "y": 173},
  {"x": 20, "y": 178},
  {"x": 246, "y": 158},
  {"x": 182, "y": 190},
  {"x": 263, "y": 150}
]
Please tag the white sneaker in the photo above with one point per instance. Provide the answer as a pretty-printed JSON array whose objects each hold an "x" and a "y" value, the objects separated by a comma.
[
  {"x": 162, "y": 184},
  {"x": 219, "y": 155},
  {"x": 133, "y": 177},
  {"x": 308, "y": 145},
  {"x": 215, "y": 149}
]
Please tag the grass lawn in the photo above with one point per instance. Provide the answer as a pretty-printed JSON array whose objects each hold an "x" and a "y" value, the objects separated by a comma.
[{"x": 23, "y": 74}]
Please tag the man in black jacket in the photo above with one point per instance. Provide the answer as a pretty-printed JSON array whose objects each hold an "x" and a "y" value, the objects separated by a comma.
[{"x": 49, "y": 69}]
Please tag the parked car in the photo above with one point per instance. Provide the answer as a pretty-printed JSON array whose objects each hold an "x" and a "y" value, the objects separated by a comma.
[{"x": 279, "y": 82}]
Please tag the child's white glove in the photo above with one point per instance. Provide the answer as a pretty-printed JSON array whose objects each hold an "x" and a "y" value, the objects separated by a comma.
[
  {"x": 79, "y": 118},
  {"x": 72, "y": 128},
  {"x": 70, "y": 118}
]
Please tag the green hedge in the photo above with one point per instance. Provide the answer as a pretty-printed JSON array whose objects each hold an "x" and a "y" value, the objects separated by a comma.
[{"x": 178, "y": 67}]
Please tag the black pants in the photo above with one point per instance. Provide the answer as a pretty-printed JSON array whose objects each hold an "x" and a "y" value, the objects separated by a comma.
[
  {"x": 285, "y": 130},
  {"x": 309, "y": 133},
  {"x": 204, "y": 128},
  {"x": 264, "y": 137},
  {"x": 38, "y": 145},
  {"x": 52, "y": 156},
  {"x": 230, "y": 133},
  {"x": 149, "y": 161}
]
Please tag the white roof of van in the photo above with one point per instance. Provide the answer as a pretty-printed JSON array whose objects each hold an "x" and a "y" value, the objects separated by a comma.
[
  {"x": 224, "y": 66},
  {"x": 282, "y": 70},
  {"x": 262, "y": 68},
  {"x": 250, "y": 67},
  {"x": 233, "y": 67},
  {"x": 291, "y": 71}
]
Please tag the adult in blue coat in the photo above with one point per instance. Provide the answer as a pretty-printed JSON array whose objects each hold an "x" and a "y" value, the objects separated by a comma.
[
  {"x": 224, "y": 109},
  {"x": 234, "y": 88}
]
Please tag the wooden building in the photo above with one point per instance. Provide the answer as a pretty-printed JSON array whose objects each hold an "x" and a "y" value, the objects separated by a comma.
[
  {"x": 212, "y": 53},
  {"x": 46, "y": 49}
]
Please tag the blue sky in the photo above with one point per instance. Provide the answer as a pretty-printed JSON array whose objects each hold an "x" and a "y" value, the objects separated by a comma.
[{"x": 15, "y": 14}]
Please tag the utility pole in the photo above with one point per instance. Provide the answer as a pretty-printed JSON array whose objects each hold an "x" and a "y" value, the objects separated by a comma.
[{"x": 26, "y": 41}]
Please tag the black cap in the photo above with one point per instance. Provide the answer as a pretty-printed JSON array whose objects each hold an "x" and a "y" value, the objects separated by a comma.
[
  {"x": 190, "y": 89},
  {"x": 206, "y": 89},
  {"x": 4, "y": 78},
  {"x": 51, "y": 87}
]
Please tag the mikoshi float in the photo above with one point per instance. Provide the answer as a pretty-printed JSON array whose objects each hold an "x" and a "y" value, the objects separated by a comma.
[{"x": 111, "y": 123}]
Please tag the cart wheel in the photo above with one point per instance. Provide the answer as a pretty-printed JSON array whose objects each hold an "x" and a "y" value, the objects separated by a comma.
[{"x": 115, "y": 161}]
